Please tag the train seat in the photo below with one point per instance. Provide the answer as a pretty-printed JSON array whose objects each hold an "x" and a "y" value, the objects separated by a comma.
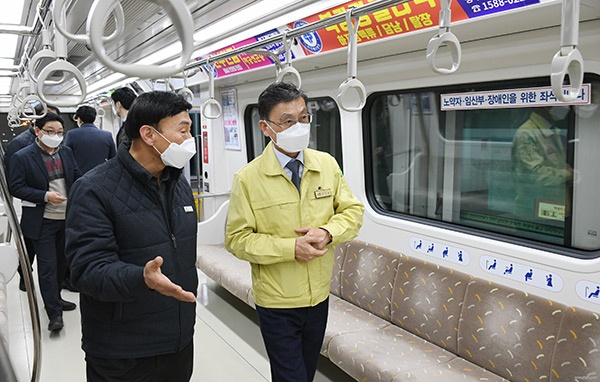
[{"x": 396, "y": 318}]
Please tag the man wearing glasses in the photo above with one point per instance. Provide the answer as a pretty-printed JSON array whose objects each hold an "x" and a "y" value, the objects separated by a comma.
[
  {"x": 41, "y": 175},
  {"x": 288, "y": 208}
]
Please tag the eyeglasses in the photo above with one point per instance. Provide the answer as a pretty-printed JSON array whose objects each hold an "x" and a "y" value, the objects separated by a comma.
[
  {"x": 306, "y": 118},
  {"x": 53, "y": 133}
]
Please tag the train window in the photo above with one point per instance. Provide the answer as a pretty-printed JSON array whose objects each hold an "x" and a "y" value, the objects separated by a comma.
[
  {"x": 523, "y": 172},
  {"x": 325, "y": 132}
]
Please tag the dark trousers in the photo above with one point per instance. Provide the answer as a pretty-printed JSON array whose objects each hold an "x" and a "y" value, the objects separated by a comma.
[
  {"x": 30, "y": 253},
  {"x": 293, "y": 339},
  {"x": 52, "y": 264},
  {"x": 174, "y": 367}
]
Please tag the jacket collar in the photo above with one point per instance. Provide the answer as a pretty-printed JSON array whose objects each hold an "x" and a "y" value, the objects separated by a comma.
[
  {"x": 137, "y": 171},
  {"x": 272, "y": 166}
]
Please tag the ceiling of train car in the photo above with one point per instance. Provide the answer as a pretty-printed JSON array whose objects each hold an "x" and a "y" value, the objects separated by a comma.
[{"x": 148, "y": 29}]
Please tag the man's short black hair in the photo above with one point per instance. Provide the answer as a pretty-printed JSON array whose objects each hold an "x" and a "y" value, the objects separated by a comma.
[
  {"x": 150, "y": 108},
  {"x": 86, "y": 113},
  {"x": 40, "y": 123},
  {"x": 276, "y": 93},
  {"x": 53, "y": 109},
  {"x": 125, "y": 96}
]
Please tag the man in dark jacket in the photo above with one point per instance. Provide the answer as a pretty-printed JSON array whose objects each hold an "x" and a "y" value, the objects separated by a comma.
[
  {"x": 91, "y": 146},
  {"x": 131, "y": 246},
  {"x": 122, "y": 99},
  {"x": 41, "y": 175},
  {"x": 22, "y": 140}
]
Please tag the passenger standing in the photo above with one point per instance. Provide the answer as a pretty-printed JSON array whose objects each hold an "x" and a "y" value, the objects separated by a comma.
[
  {"x": 22, "y": 140},
  {"x": 91, "y": 146},
  {"x": 539, "y": 163},
  {"x": 41, "y": 175},
  {"x": 288, "y": 208},
  {"x": 122, "y": 99},
  {"x": 131, "y": 245}
]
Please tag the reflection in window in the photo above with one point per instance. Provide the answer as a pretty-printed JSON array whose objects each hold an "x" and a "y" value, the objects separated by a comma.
[
  {"x": 325, "y": 129},
  {"x": 524, "y": 172}
]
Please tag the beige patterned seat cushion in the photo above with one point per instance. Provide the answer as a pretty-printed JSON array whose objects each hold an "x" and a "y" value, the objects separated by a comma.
[
  {"x": 345, "y": 317},
  {"x": 368, "y": 278},
  {"x": 457, "y": 370},
  {"x": 427, "y": 300},
  {"x": 210, "y": 260},
  {"x": 577, "y": 354},
  {"x": 339, "y": 256},
  {"x": 380, "y": 355},
  {"x": 508, "y": 331}
]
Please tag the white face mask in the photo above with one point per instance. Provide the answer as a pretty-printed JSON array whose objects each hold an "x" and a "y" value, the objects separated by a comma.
[
  {"x": 177, "y": 155},
  {"x": 52, "y": 141},
  {"x": 293, "y": 139},
  {"x": 559, "y": 112}
]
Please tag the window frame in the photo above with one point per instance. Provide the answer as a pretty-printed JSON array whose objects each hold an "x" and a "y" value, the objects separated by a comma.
[{"x": 369, "y": 157}]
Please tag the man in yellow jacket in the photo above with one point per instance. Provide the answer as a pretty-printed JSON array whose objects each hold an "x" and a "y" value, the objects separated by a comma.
[{"x": 288, "y": 207}]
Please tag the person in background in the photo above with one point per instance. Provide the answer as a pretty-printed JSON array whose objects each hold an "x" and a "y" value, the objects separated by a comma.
[
  {"x": 91, "y": 146},
  {"x": 22, "y": 140},
  {"x": 41, "y": 175},
  {"x": 539, "y": 163},
  {"x": 288, "y": 207},
  {"x": 131, "y": 246},
  {"x": 122, "y": 99}
]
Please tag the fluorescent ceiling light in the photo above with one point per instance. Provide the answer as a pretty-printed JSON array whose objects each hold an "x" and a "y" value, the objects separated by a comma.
[
  {"x": 263, "y": 27},
  {"x": 240, "y": 18},
  {"x": 5, "y": 85},
  {"x": 12, "y": 12}
]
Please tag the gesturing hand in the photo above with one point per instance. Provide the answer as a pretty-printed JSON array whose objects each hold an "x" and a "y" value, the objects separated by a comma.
[{"x": 155, "y": 279}]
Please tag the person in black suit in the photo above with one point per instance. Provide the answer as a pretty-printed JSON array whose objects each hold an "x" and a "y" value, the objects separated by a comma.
[
  {"x": 41, "y": 175},
  {"x": 22, "y": 140},
  {"x": 91, "y": 146},
  {"x": 122, "y": 99}
]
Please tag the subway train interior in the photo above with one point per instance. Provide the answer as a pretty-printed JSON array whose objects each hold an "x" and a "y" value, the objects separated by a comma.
[{"x": 423, "y": 103}]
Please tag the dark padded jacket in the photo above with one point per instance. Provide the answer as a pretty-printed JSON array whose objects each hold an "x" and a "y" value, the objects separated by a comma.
[{"x": 116, "y": 223}]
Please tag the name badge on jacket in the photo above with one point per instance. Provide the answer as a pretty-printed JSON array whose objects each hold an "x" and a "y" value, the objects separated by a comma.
[
  {"x": 188, "y": 208},
  {"x": 322, "y": 193}
]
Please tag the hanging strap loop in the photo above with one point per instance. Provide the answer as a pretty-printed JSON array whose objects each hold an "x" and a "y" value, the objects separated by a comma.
[{"x": 568, "y": 60}]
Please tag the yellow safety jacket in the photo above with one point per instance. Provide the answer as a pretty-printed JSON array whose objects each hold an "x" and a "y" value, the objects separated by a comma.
[{"x": 264, "y": 210}]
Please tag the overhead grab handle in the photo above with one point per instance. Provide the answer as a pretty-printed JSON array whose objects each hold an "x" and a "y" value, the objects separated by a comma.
[
  {"x": 182, "y": 20},
  {"x": 186, "y": 92},
  {"x": 444, "y": 37},
  {"x": 287, "y": 69},
  {"x": 59, "y": 12},
  {"x": 352, "y": 83},
  {"x": 32, "y": 99},
  {"x": 61, "y": 65},
  {"x": 211, "y": 101},
  {"x": 568, "y": 60},
  {"x": 45, "y": 53}
]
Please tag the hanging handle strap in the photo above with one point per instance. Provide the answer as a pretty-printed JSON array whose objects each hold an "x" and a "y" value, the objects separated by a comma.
[
  {"x": 444, "y": 37},
  {"x": 287, "y": 69},
  {"x": 211, "y": 101},
  {"x": 59, "y": 12},
  {"x": 568, "y": 60},
  {"x": 181, "y": 18},
  {"x": 352, "y": 84}
]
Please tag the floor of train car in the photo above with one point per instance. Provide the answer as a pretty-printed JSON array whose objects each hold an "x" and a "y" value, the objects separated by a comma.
[{"x": 227, "y": 344}]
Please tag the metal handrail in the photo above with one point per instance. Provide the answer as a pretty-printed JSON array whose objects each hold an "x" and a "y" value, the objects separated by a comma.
[
  {"x": 316, "y": 25},
  {"x": 34, "y": 311}
]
